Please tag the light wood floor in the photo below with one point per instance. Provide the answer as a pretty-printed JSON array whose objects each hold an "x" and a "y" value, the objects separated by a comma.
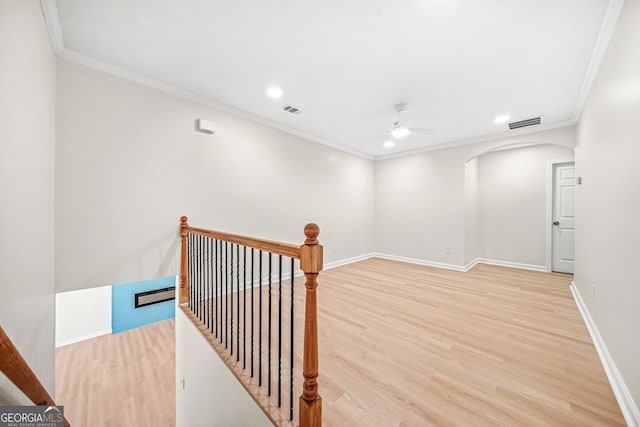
[
  {"x": 401, "y": 345},
  {"x": 406, "y": 345},
  {"x": 126, "y": 379}
]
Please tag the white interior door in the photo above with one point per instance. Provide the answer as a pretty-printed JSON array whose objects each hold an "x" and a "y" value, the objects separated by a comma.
[{"x": 563, "y": 218}]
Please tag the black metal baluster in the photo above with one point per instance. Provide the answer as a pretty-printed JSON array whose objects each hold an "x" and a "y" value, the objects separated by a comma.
[
  {"x": 194, "y": 268},
  {"x": 189, "y": 267},
  {"x": 209, "y": 284},
  {"x": 219, "y": 289},
  {"x": 291, "y": 349},
  {"x": 206, "y": 281},
  {"x": 252, "y": 286},
  {"x": 231, "y": 320},
  {"x": 191, "y": 271},
  {"x": 215, "y": 288},
  {"x": 260, "y": 323},
  {"x": 279, "y": 331},
  {"x": 203, "y": 277},
  {"x": 199, "y": 255},
  {"x": 220, "y": 270},
  {"x": 196, "y": 274},
  {"x": 238, "y": 303},
  {"x": 202, "y": 263},
  {"x": 226, "y": 296},
  {"x": 192, "y": 284},
  {"x": 244, "y": 308},
  {"x": 211, "y": 318},
  {"x": 269, "y": 339}
]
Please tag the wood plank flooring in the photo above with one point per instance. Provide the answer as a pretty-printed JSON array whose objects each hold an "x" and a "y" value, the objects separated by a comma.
[
  {"x": 400, "y": 345},
  {"x": 126, "y": 379},
  {"x": 406, "y": 345}
]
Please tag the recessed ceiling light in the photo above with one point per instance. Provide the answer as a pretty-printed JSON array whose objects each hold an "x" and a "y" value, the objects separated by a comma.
[
  {"x": 389, "y": 144},
  {"x": 274, "y": 92},
  {"x": 400, "y": 132},
  {"x": 501, "y": 119}
]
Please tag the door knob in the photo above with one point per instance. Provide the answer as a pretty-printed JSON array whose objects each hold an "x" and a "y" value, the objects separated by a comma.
[{"x": 556, "y": 223}]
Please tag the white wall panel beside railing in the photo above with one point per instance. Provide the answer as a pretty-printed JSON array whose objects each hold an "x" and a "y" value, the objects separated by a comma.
[
  {"x": 207, "y": 393},
  {"x": 82, "y": 314}
]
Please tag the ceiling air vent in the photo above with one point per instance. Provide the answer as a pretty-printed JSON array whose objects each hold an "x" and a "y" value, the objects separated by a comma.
[
  {"x": 292, "y": 109},
  {"x": 525, "y": 123}
]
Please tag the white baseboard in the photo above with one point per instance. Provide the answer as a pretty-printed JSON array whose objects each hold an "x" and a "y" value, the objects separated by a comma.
[
  {"x": 436, "y": 264},
  {"x": 500, "y": 263},
  {"x": 83, "y": 337},
  {"x": 347, "y": 261},
  {"x": 418, "y": 261},
  {"x": 628, "y": 406}
]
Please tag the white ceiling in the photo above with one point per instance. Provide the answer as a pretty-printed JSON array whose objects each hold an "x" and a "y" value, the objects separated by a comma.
[{"x": 457, "y": 63}]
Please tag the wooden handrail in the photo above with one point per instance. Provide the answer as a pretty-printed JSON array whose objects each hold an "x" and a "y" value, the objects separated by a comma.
[
  {"x": 310, "y": 254},
  {"x": 278, "y": 248},
  {"x": 18, "y": 371},
  {"x": 284, "y": 249}
]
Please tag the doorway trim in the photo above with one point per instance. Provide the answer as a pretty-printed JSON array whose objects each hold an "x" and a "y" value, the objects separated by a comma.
[{"x": 551, "y": 164}]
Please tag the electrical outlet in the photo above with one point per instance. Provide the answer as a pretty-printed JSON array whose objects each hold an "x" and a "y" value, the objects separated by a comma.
[
  {"x": 593, "y": 290},
  {"x": 447, "y": 250}
]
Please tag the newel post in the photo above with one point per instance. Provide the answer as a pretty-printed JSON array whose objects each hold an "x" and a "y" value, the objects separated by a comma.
[
  {"x": 184, "y": 284},
  {"x": 311, "y": 265}
]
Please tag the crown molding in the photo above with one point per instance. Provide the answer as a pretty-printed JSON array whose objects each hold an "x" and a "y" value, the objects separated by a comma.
[
  {"x": 483, "y": 138},
  {"x": 50, "y": 12},
  {"x": 52, "y": 19},
  {"x": 105, "y": 67},
  {"x": 602, "y": 42}
]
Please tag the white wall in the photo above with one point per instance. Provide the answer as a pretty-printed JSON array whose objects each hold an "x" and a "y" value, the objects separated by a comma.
[
  {"x": 211, "y": 396},
  {"x": 129, "y": 164},
  {"x": 82, "y": 314},
  {"x": 608, "y": 202},
  {"x": 512, "y": 203},
  {"x": 421, "y": 205},
  {"x": 472, "y": 249},
  {"x": 27, "y": 138}
]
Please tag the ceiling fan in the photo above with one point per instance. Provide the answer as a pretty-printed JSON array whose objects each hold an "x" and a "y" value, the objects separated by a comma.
[{"x": 401, "y": 126}]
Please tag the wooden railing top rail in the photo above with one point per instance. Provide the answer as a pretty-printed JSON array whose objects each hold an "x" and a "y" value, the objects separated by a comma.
[
  {"x": 277, "y": 248},
  {"x": 14, "y": 367}
]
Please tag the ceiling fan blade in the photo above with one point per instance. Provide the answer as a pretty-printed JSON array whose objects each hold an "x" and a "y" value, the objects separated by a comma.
[{"x": 421, "y": 131}]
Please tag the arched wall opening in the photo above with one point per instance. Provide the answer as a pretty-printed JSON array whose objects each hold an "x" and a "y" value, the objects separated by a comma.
[{"x": 506, "y": 203}]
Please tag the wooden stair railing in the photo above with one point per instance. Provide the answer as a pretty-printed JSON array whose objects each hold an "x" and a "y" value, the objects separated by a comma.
[
  {"x": 16, "y": 369},
  {"x": 310, "y": 256}
]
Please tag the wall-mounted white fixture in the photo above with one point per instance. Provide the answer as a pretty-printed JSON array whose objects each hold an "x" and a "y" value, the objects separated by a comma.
[{"x": 205, "y": 126}]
